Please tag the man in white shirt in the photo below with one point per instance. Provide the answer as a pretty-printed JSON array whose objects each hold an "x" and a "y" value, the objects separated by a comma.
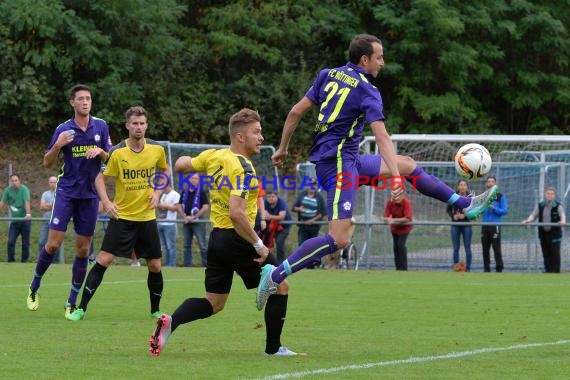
[{"x": 167, "y": 209}]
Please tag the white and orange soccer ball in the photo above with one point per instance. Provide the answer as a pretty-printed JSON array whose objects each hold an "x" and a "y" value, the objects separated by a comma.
[{"x": 472, "y": 161}]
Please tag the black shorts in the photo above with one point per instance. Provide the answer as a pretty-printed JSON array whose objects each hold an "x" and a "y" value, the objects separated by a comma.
[
  {"x": 228, "y": 253},
  {"x": 124, "y": 236}
]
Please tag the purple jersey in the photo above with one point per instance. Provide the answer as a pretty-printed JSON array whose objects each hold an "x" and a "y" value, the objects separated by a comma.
[
  {"x": 77, "y": 175},
  {"x": 346, "y": 99}
]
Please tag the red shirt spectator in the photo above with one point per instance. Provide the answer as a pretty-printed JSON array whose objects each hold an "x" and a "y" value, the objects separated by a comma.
[{"x": 399, "y": 212}]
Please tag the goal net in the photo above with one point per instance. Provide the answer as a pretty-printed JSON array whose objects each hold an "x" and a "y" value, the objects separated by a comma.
[{"x": 523, "y": 165}]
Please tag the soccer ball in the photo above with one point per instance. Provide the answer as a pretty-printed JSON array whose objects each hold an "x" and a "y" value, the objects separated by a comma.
[{"x": 472, "y": 161}]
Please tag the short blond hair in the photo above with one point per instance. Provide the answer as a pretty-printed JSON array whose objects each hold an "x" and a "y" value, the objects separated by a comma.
[{"x": 240, "y": 119}]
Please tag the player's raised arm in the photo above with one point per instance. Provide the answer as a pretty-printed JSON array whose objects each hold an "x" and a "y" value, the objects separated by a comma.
[{"x": 293, "y": 119}]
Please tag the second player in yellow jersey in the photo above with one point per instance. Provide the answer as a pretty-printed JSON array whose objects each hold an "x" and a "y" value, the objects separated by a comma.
[{"x": 134, "y": 172}]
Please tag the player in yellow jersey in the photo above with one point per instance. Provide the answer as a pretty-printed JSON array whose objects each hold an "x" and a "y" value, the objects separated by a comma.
[
  {"x": 134, "y": 164},
  {"x": 233, "y": 246}
]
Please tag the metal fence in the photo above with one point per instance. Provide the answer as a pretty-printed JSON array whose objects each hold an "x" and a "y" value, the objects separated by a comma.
[
  {"x": 429, "y": 245},
  {"x": 430, "y": 248}
]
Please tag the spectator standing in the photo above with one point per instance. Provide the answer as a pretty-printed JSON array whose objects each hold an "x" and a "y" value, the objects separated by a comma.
[
  {"x": 491, "y": 234},
  {"x": 398, "y": 211},
  {"x": 457, "y": 215},
  {"x": 310, "y": 206},
  {"x": 194, "y": 203},
  {"x": 17, "y": 198},
  {"x": 167, "y": 209},
  {"x": 46, "y": 203},
  {"x": 549, "y": 210},
  {"x": 276, "y": 211}
]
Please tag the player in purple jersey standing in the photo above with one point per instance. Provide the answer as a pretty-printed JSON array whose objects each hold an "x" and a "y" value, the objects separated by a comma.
[
  {"x": 84, "y": 142},
  {"x": 346, "y": 100}
]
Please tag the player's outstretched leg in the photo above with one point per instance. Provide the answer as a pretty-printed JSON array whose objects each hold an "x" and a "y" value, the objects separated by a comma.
[
  {"x": 430, "y": 185},
  {"x": 433, "y": 187}
]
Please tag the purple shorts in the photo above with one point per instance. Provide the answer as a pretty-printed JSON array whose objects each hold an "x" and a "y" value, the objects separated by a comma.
[
  {"x": 83, "y": 211},
  {"x": 341, "y": 189}
]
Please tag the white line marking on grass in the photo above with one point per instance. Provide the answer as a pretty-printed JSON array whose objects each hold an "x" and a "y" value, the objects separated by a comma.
[
  {"x": 420, "y": 359},
  {"x": 104, "y": 283}
]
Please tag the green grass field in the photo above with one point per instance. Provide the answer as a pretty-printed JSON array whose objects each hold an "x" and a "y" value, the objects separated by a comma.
[{"x": 353, "y": 325}]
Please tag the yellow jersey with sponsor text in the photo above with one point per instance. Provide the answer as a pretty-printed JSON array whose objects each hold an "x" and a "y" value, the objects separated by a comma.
[
  {"x": 134, "y": 173},
  {"x": 226, "y": 174}
]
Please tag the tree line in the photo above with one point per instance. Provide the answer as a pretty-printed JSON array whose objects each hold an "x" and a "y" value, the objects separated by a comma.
[{"x": 490, "y": 66}]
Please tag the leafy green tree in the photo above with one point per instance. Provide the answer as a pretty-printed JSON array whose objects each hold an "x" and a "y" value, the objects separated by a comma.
[
  {"x": 451, "y": 66},
  {"x": 116, "y": 47},
  {"x": 32, "y": 55},
  {"x": 531, "y": 86},
  {"x": 461, "y": 67}
]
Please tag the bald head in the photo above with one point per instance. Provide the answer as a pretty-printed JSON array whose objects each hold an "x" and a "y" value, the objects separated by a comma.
[{"x": 52, "y": 182}]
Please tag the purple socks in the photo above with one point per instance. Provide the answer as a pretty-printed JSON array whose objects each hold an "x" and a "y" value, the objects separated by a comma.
[
  {"x": 307, "y": 252},
  {"x": 44, "y": 261},
  {"x": 78, "y": 272},
  {"x": 433, "y": 187}
]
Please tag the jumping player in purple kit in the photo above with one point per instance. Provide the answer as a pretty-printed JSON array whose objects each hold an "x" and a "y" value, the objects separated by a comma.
[
  {"x": 84, "y": 142},
  {"x": 347, "y": 100}
]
